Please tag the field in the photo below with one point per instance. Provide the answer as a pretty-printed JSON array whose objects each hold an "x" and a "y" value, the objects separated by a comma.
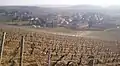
[
  {"x": 64, "y": 50},
  {"x": 108, "y": 34}
]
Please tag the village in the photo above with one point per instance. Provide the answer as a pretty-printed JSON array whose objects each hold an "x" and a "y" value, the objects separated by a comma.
[{"x": 75, "y": 20}]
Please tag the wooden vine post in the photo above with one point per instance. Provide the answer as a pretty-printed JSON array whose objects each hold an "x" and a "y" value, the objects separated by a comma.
[
  {"x": 49, "y": 57},
  {"x": 2, "y": 46},
  {"x": 21, "y": 51}
]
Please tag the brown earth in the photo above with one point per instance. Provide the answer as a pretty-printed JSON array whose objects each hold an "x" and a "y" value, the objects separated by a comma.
[{"x": 64, "y": 49}]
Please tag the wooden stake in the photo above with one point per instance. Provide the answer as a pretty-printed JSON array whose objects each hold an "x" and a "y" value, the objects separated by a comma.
[
  {"x": 2, "y": 45},
  {"x": 21, "y": 51},
  {"x": 49, "y": 56}
]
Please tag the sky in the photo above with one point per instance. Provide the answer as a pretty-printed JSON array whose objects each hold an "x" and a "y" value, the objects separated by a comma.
[{"x": 103, "y": 3}]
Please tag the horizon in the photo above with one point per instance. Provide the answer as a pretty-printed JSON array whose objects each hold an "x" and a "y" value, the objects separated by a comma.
[
  {"x": 49, "y": 5},
  {"x": 102, "y": 3}
]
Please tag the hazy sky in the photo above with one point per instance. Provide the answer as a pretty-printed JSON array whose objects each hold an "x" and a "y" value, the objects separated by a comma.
[{"x": 60, "y": 2}]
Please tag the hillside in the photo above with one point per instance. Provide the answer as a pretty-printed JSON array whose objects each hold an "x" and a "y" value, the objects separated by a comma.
[
  {"x": 108, "y": 34},
  {"x": 50, "y": 9},
  {"x": 64, "y": 49},
  {"x": 63, "y": 46}
]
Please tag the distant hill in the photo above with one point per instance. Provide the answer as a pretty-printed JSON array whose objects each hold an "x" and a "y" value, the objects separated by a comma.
[
  {"x": 45, "y": 9},
  {"x": 86, "y": 7},
  {"x": 34, "y": 9},
  {"x": 114, "y": 7}
]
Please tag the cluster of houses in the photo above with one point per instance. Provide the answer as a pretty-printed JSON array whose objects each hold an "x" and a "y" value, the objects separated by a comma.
[
  {"x": 57, "y": 20},
  {"x": 74, "y": 21}
]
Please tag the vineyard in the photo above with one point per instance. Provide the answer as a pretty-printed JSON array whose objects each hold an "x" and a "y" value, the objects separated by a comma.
[{"x": 44, "y": 49}]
